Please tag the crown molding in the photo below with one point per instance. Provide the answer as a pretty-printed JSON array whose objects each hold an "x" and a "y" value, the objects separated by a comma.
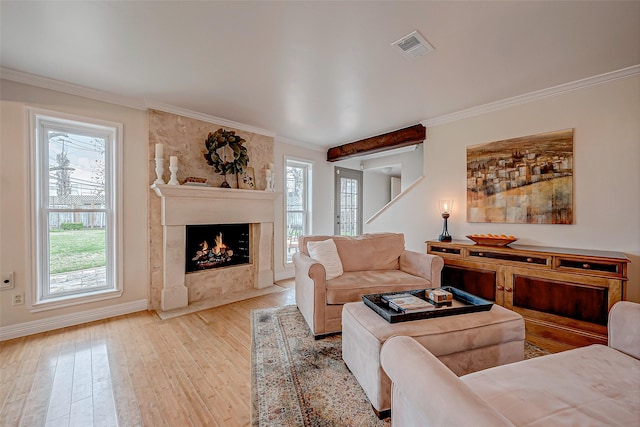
[
  {"x": 71, "y": 89},
  {"x": 209, "y": 119},
  {"x": 141, "y": 104},
  {"x": 125, "y": 101},
  {"x": 307, "y": 145},
  {"x": 533, "y": 96}
]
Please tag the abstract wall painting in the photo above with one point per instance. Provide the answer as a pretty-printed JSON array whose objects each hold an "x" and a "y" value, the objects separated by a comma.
[{"x": 525, "y": 180}]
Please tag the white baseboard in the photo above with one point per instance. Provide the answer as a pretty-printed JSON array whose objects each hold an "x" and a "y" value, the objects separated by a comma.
[
  {"x": 57, "y": 322},
  {"x": 286, "y": 274}
]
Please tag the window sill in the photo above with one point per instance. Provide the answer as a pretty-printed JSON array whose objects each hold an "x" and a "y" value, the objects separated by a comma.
[{"x": 71, "y": 300}]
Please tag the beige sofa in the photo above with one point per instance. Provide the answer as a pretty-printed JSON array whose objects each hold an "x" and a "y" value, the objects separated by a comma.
[
  {"x": 372, "y": 263},
  {"x": 589, "y": 386}
]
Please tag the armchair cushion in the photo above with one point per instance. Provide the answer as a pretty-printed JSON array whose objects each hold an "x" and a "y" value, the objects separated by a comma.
[
  {"x": 326, "y": 253},
  {"x": 353, "y": 284}
]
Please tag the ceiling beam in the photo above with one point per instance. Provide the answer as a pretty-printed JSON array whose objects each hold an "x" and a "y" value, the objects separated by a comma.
[{"x": 375, "y": 144}]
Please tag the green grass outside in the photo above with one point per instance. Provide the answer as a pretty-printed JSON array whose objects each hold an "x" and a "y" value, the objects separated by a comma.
[{"x": 76, "y": 250}]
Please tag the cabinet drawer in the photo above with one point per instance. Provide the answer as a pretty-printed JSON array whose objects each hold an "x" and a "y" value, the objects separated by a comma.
[
  {"x": 444, "y": 250},
  {"x": 600, "y": 268},
  {"x": 525, "y": 259}
]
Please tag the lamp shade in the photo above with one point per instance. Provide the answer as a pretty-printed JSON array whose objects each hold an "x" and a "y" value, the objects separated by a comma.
[{"x": 446, "y": 205}]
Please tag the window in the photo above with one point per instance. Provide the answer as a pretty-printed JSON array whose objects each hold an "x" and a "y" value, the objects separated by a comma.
[
  {"x": 76, "y": 209},
  {"x": 298, "y": 204}
]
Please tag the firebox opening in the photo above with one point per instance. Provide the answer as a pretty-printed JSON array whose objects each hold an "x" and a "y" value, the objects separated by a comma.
[{"x": 216, "y": 245}]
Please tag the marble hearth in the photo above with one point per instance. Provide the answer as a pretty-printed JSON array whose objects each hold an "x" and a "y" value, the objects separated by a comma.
[{"x": 191, "y": 205}]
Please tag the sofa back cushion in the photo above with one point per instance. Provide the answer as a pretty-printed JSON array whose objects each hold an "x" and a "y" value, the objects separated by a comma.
[{"x": 373, "y": 251}]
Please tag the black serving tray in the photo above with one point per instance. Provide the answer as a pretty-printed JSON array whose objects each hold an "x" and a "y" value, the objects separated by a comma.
[{"x": 463, "y": 302}]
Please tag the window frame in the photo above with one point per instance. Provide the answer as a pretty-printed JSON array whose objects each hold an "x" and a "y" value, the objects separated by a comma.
[
  {"x": 39, "y": 209},
  {"x": 307, "y": 201}
]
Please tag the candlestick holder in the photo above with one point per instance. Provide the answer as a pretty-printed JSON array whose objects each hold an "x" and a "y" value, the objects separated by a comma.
[
  {"x": 174, "y": 175},
  {"x": 445, "y": 209},
  {"x": 159, "y": 171},
  {"x": 445, "y": 236}
]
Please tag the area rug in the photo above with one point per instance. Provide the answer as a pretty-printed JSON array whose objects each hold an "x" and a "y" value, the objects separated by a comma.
[{"x": 299, "y": 381}]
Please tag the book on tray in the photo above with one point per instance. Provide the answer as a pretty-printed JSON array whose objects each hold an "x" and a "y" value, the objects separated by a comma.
[
  {"x": 407, "y": 303},
  {"x": 440, "y": 296}
]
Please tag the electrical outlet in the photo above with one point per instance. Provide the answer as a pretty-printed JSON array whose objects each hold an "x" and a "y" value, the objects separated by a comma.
[
  {"x": 7, "y": 281},
  {"x": 17, "y": 298}
]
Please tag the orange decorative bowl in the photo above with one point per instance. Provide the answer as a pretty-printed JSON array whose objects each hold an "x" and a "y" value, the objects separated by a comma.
[{"x": 492, "y": 240}]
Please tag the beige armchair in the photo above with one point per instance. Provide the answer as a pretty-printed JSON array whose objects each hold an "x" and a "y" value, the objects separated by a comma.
[
  {"x": 372, "y": 263},
  {"x": 589, "y": 386}
]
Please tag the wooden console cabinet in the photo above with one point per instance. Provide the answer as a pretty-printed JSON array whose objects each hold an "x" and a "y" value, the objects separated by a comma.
[{"x": 564, "y": 295}]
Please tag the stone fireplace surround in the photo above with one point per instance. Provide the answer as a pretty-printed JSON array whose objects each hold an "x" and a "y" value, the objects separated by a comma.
[{"x": 190, "y": 205}]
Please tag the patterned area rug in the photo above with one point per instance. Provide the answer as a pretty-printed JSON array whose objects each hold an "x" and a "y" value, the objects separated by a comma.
[{"x": 299, "y": 381}]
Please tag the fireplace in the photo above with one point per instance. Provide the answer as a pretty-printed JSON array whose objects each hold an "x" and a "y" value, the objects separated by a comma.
[
  {"x": 216, "y": 245},
  {"x": 186, "y": 206}
]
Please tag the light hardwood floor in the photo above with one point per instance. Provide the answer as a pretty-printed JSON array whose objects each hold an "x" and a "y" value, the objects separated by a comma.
[{"x": 136, "y": 370}]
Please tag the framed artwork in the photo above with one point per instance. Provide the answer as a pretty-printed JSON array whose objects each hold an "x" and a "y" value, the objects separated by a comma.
[
  {"x": 247, "y": 179},
  {"x": 526, "y": 180}
]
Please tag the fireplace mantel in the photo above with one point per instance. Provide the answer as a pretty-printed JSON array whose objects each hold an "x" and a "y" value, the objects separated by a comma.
[
  {"x": 193, "y": 205},
  {"x": 182, "y": 205},
  {"x": 165, "y": 190}
]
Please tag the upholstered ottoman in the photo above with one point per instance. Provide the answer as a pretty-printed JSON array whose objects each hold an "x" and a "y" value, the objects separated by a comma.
[{"x": 465, "y": 343}]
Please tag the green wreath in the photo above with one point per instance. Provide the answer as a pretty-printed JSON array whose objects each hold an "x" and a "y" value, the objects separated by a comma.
[{"x": 221, "y": 139}]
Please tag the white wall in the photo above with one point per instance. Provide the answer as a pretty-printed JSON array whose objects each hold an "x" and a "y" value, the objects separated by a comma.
[
  {"x": 412, "y": 166},
  {"x": 606, "y": 173},
  {"x": 14, "y": 196},
  {"x": 376, "y": 192}
]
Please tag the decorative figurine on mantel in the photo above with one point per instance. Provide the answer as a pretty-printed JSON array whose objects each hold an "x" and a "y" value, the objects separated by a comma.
[
  {"x": 173, "y": 167},
  {"x": 234, "y": 156},
  {"x": 268, "y": 176}
]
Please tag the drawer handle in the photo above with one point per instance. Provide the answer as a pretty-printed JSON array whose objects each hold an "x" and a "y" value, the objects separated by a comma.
[
  {"x": 443, "y": 250},
  {"x": 509, "y": 289},
  {"x": 587, "y": 266},
  {"x": 529, "y": 259},
  {"x": 480, "y": 253},
  {"x": 500, "y": 288}
]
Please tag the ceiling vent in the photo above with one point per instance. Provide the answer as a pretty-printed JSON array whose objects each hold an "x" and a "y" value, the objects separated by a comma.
[{"x": 413, "y": 45}]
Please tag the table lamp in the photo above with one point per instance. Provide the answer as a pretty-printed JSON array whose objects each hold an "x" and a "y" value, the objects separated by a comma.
[{"x": 445, "y": 210}]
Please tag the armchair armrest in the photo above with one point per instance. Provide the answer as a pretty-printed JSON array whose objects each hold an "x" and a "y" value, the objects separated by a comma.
[
  {"x": 311, "y": 291},
  {"x": 624, "y": 335},
  {"x": 425, "y": 392},
  {"x": 423, "y": 265}
]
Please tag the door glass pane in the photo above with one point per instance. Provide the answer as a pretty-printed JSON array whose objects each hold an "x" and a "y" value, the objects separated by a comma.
[
  {"x": 77, "y": 254},
  {"x": 76, "y": 167},
  {"x": 349, "y": 206}
]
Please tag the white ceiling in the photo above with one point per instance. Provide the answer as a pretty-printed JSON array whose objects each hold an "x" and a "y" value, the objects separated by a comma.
[{"x": 319, "y": 72}]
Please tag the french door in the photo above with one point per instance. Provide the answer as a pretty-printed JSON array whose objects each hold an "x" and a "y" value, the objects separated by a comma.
[{"x": 348, "y": 202}]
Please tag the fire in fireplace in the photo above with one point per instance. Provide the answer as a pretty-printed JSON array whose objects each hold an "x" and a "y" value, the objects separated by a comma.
[{"x": 216, "y": 245}]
